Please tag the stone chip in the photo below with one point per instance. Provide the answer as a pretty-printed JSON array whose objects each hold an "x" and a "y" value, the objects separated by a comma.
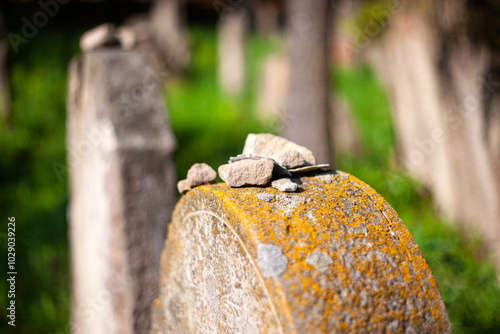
[
  {"x": 284, "y": 185},
  {"x": 183, "y": 186}
]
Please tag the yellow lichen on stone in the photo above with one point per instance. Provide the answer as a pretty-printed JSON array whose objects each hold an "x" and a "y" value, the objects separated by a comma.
[{"x": 367, "y": 274}]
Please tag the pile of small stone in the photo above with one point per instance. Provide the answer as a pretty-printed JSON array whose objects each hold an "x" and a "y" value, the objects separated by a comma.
[{"x": 265, "y": 159}]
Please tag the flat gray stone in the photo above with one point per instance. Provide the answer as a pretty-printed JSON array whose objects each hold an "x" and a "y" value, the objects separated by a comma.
[
  {"x": 308, "y": 168},
  {"x": 248, "y": 172},
  {"x": 284, "y": 185},
  {"x": 200, "y": 174},
  {"x": 274, "y": 146},
  {"x": 271, "y": 260}
]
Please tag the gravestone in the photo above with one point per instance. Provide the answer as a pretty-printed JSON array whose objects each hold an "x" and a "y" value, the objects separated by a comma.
[
  {"x": 231, "y": 36},
  {"x": 122, "y": 190},
  {"x": 273, "y": 88},
  {"x": 439, "y": 88},
  {"x": 332, "y": 257},
  {"x": 167, "y": 32}
]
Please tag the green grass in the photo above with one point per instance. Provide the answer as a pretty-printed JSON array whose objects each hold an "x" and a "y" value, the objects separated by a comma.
[
  {"x": 210, "y": 126},
  {"x": 31, "y": 139}
]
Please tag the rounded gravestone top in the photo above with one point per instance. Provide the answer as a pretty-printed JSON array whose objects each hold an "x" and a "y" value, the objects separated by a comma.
[{"x": 333, "y": 257}]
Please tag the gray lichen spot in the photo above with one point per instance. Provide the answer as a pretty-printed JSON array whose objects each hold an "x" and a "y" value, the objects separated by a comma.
[
  {"x": 266, "y": 197},
  {"x": 271, "y": 260},
  {"x": 326, "y": 178},
  {"x": 321, "y": 261}
]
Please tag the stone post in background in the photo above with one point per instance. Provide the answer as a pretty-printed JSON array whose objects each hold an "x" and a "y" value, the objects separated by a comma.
[
  {"x": 334, "y": 257},
  {"x": 231, "y": 37},
  {"x": 441, "y": 65},
  {"x": 122, "y": 189},
  {"x": 168, "y": 34}
]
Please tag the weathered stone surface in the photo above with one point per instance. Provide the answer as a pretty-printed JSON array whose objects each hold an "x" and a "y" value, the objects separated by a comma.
[
  {"x": 99, "y": 36},
  {"x": 273, "y": 146},
  {"x": 199, "y": 174},
  {"x": 250, "y": 172},
  {"x": 284, "y": 185},
  {"x": 122, "y": 190},
  {"x": 183, "y": 186},
  {"x": 351, "y": 264},
  {"x": 290, "y": 159}
]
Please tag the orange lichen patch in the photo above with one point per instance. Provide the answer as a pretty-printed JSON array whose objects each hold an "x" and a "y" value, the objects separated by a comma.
[{"x": 375, "y": 278}]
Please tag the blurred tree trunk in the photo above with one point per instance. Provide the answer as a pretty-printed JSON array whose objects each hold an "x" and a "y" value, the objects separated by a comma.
[
  {"x": 307, "y": 107},
  {"x": 441, "y": 63},
  {"x": 4, "y": 77}
]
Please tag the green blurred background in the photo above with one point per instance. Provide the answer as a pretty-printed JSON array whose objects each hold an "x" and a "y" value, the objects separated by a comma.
[{"x": 209, "y": 126}]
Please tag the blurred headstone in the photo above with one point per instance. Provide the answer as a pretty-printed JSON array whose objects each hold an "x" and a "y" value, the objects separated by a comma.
[
  {"x": 444, "y": 92},
  {"x": 168, "y": 35},
  {"x": 345, "y": 134},
  {"x": 273, "y": 87},
  {"x": 122, "y": 189},
  {"x": 334, "y": 257},
  {"x": 231, "y": 38}
]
